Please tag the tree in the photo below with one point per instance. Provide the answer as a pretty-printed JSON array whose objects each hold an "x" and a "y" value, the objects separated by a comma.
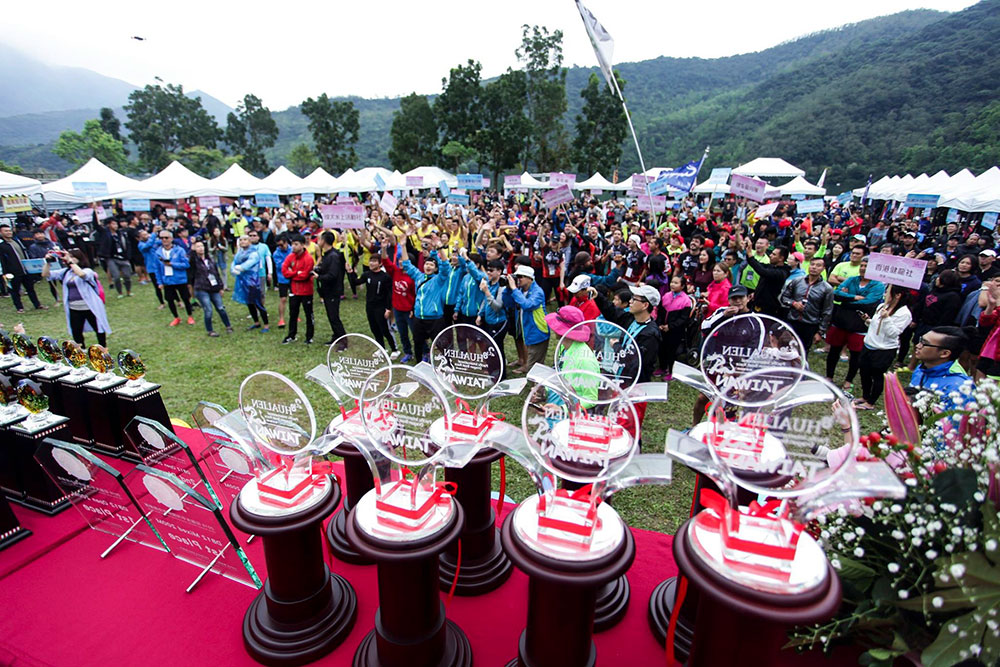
[
  {"x": 459, "y": 152},
  {"x": 334, "y": 127},
  {"x": 111, "y": 124},
  {"x": 505, "y": 127},
  {"x": 76, "y": 148},
  {"x": 601, "y": 128},
  {"x": 249, "y": 131},
  {"x": 163, "y": 120},
  {"x": 457, "y": 108},
  {"x": 541, "y": 54},
  {"x": 205, "y": 161},
  {"x": 413, "y": 134},
  {"x": 302, "y": 159},
  {"x": 10, "y": 168}
]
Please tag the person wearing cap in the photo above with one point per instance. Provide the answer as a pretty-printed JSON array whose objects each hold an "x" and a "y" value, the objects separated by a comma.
[
  {"x": 635, "y": 260},
  {"x": 580, "y": 291},
  {"x": 987, "y": 268},
  {"x": 528, "y": 302},
  {"x": 575, "y": 353},
  {"x": 428, "y": 309},
  {"x": 809, "y": 300},
  {"x": 795, "y": 269},
  {"x": 841, "y": 272}
]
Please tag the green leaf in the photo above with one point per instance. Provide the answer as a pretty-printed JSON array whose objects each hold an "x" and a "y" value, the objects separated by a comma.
[
  {"x": 956, "y": 486},
  {"x": 945, "y": 650},
  {"x": 854, "y": 570}
]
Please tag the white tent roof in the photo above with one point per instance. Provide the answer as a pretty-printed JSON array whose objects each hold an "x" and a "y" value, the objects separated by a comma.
[
  {"x": 94, "y": 171},
  {"x": 14, "y": 184},
  {"x": 433, "y": 175},
  {"x": 800, "y": 186},
  {"x": 769, "y": 166},
  {"x": 875, "y": 187},
  {"x": 902, "y": 185},
  {"x": 320, "y": 181},
  {"x": 233, "y": 182},
  {"x": 886, "y": 191},
  {"x": 705, "y": 187},
  {"x": 175, "y": 181},
  {"x": 960, "y": 182},
  {"x": 982, "y": 195},
  {"x": 597, "y": 182},
  {"x": 282, "y": 182},
  {"x": 532, "y": 183},
  {"x": 363, "y": 180}
]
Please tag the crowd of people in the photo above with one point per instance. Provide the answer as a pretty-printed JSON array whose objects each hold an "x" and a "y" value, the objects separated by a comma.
[{"x": 509, "y": 265}]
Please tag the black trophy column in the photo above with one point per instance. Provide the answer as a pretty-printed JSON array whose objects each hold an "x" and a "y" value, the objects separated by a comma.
[
  {"x": 562, "y": 596},
  {"x": 411, "y": 627},
  {"x": 484, "y": 565},
  {"x": 358, "y": 481},
  {"x": 305, "y": 611}
]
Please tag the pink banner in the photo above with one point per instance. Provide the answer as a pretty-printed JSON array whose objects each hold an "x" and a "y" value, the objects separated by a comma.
[
  {"x": 388, "y": 203},
  {"x": 744, "y": 186},
  {"x": 208, "y": 202},
  {"x": 557, "y": 196},
  {"x": 512, "y": 181},
  {"x": 638, "y": 186},
  {"x": 558, "y": 178},
  {"x": 414, "y": 181},
  {"x": 765, "y": 210},
  {"x": 343, "y": 216},
  {"x": 896, "y": 270},
  {"x": 659, "y": 203}
]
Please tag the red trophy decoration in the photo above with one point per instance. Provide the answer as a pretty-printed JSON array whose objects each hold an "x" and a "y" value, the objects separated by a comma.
[{"x": 757, "y": 573}]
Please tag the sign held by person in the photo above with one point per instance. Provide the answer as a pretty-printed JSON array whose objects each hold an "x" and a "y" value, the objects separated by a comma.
[
  {"x": 343, "y": 216},
  {"x": 896, "y": 270}
]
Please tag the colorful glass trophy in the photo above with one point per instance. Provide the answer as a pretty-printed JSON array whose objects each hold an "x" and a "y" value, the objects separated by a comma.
[
  {"x": 408, "y": 518},
  {"x": 757, "y": 571},
  {"x": 11, "y": 411},
  {"x": 350, "y": 360},
  {"x": 106, "y": 430},
  {"x": 39, "y": 492},
  {"x": 75, "y": 398},
  {"x": 736, "y": 347},
  {"x": 577, "y": 427},
  {"x": 51, "y": 353},
  {"x": 8, "y": 357},
  {"x": 305, "y": 610},
  {"x": 468, "y": 364},
  {"x": 138, "y": 397},
  {"x": 26, "y": 350}
]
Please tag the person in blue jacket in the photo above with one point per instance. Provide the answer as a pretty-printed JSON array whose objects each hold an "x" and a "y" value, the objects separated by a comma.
[
  {"x": 172, "y": 265},
  {"x": 451, "y": 289},
  {"x": 428, "y": 310},
  {"x": 280, "y": 253},
  {"x": 148, "y": 243},
  {"x": 248, "y": 288},
  {"x": 470, "y": 297},
  {"x": 937, "y": 351},
  {"x": 528, "y": 300}
]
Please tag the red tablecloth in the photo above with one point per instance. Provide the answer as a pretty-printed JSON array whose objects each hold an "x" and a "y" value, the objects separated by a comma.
[{"x": 64, "y": 605}]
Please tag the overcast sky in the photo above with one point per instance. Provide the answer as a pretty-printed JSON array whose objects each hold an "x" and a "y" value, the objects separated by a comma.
[{"x": 287, "y": 51}]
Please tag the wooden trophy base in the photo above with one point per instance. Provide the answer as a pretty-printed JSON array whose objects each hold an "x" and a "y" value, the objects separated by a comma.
[
  {"x": 304, "y": 611},
  {"x": 562, "y": 598},
  {"x": 737, "y": 625},
  {"x": 39, "y": 492},
  {"x": 357, "y": 482},
  {"x": 106, "y": 428},
  {"x": 612, "y": 603},
  {"x": 484, "y": 565},
  {"x": 11, "y": 530},
  {"x": 411, "y": 627},
  {"x": 661, "y": 609}
]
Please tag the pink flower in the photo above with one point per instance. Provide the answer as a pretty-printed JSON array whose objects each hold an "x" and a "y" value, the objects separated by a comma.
[{"x": 899, "y": 413}]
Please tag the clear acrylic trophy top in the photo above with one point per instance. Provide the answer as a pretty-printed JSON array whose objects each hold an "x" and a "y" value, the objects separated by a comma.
[
  {"x": 406, "y": 417},
  {"x": 280, "y": 419},
  {"x": 602, "y": 347},
  {"x": 782, "y": 442},
  {"x": 351, "y": 360},
  {"x": 468, "y": 365},
  {"x": 746, "y": 343},
  {"x": 582, "y": 428},
  {"x": 231, "y": 459}
]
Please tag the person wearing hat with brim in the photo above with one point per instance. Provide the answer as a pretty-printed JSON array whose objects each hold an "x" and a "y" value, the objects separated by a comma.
[
  {"x": 579, "y": 289},
  {"x": 528, "y": 302},
  {"x": 987, "y": 265},
  {"x": 574, "y": 352}
]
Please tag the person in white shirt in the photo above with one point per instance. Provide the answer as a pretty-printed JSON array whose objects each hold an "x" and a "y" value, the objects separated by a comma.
[{"x": 881, "y": 343}]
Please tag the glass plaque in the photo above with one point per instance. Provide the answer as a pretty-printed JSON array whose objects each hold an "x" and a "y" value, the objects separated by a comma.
[
  {"x": 466, "y": 361},
  {"x": 98, "y": 491},
  {"x": 191, "y": 524},
  {"x": 158, "y": 447}
]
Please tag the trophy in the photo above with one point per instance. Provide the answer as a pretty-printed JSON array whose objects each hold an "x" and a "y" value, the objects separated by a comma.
[
  {"x": 75, "y": 398},
  {"x": 27, "y": 351},
  {"x": 77, "y": 357},
  {"x": 23, "y": 438},
  {"x": 34, "y": 400},
  {"x": 349, "y": 361},
  {"x": 305, "y": 610},
  {"x": 50, "y": 352},
  {"x": 8, "y": 358},
  {"x": 11, "y": 409},
  {"x": 132, "y": 368},
  {"x": 138, "y": 398},
  {"x": 106, "y": 431},
  {"x": 101, "y": 361},
  {"x": 758, "y": 571},
  {"x": 409, "y": 517}
]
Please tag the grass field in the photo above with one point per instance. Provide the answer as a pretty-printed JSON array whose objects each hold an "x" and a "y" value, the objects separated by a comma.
[{"x": 192, "y": 367}]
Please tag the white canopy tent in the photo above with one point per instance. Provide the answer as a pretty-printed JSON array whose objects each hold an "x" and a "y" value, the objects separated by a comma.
[
  {"x": 982, "y": 195},
  {"x": 433, "y": 176},
  {"x": 960, "y": 182},
  {"x": 175, "y": 181},
  {"x": 769, "y": 167},
  {"x": 94, "y": 171},
  {"x": 14, "y": 184},
  {"x": 282, "y": 182},
  {"x": 233, "y": 182},
  {"x": 596, "y": 182},
  {"x": 875, "y": 187},
  {"x": 710, "y": 188},
  {"x": 530, "y": 182},
  {"x": 363, "y": 180},
  {"x": 800, "y": 186},
  {"x": 320, "y": 181}
]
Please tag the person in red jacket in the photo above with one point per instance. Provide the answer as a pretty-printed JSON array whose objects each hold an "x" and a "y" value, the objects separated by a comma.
[
  {"x": 404, "y": 295},
  {"x": 298, "y": 267}
]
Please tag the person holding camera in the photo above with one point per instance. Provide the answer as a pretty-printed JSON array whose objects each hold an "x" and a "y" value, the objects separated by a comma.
[{"x": 83, "y": 304}]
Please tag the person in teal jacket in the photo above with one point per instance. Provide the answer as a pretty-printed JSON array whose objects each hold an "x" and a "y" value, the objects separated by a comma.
[
  {"x": 280, "y": 253},
  {"x": 453, "y": 286},
  {"x": 247, "y": 289},
  {"x": 470, "y": 297},
  {"x": 529, "y": 301},
  {"x": 428, "y": 310}
]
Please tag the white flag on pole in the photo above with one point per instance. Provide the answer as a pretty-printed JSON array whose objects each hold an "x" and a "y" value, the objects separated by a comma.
[
  {"x": 822, "y": 178},
  {"x": 604, "y": 45}
]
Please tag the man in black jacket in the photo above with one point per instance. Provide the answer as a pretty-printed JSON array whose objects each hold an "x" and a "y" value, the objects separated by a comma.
[
  {"x": 330, "y": 282},
  {"x": 772, "y": 279},
  {"x": 113, "y": 250},
  {"x": 12, "y": 251}
]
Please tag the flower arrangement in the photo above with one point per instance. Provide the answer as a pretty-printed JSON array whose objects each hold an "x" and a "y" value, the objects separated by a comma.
[{"x": 921, "y": 575}]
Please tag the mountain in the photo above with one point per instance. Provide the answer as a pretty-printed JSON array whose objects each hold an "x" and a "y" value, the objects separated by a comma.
[{"x": 914, "y": 91}]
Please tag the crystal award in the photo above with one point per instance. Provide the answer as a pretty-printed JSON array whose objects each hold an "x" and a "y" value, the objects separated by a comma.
[
  {"x": 101, "y": 361},
  {"x": 350, "y": 360},
  {"x": 468, "y": 363}
]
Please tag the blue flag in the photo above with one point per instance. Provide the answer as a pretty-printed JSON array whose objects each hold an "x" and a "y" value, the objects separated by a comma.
[{"x": 682, "y": 178}]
